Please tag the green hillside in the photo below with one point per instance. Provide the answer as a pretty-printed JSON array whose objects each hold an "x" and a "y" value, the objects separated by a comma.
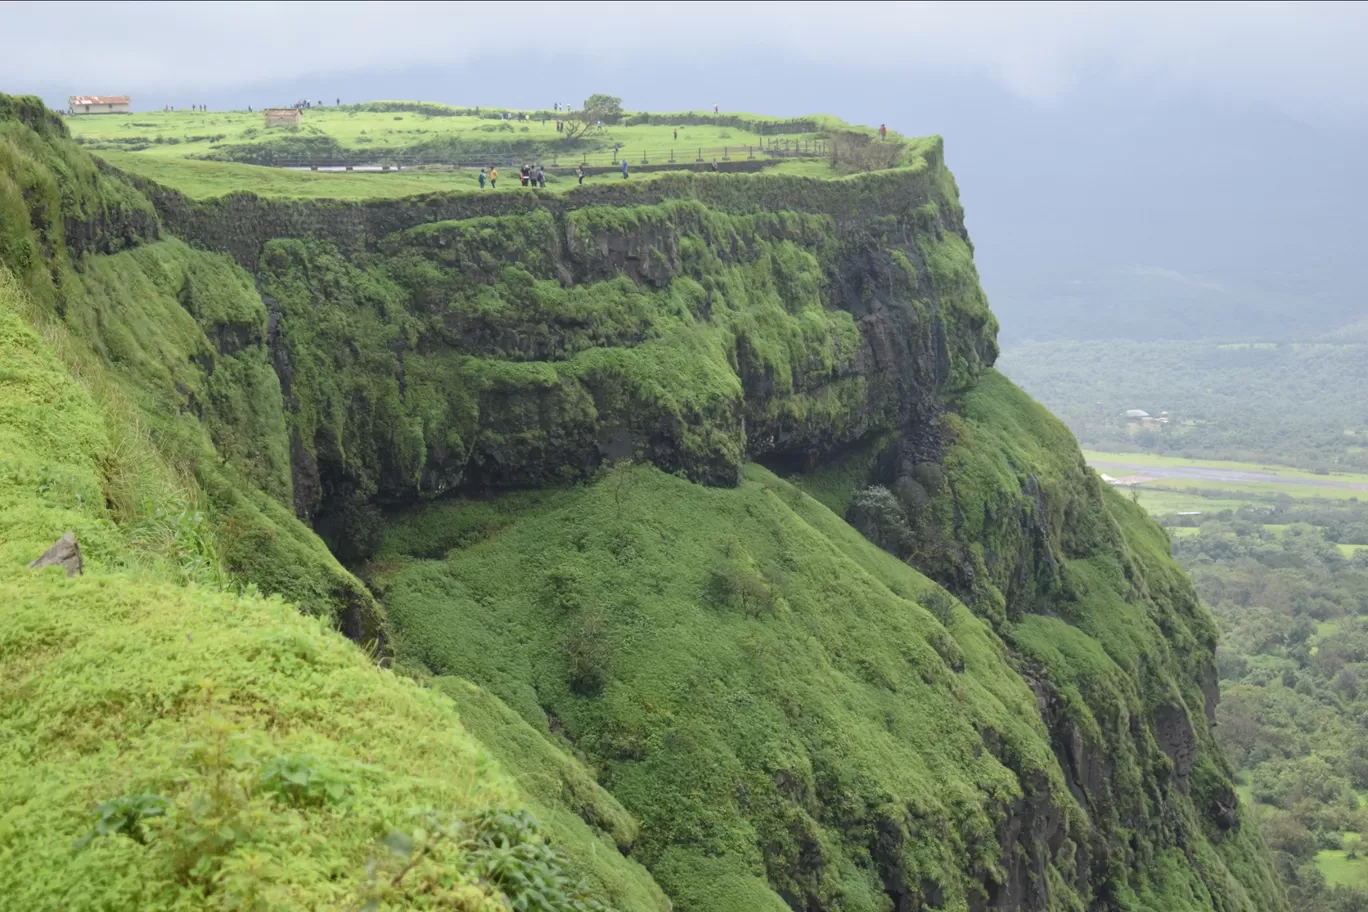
[{"x": 545, "y": 459}]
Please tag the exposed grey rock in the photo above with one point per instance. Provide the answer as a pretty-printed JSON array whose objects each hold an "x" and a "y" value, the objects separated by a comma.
[{"x": 63, "y": 553}]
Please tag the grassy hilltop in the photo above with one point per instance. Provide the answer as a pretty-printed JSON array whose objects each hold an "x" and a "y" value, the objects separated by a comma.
[
  {"x": 710, "y": 564},
  {"x": 176, "y": 148}
]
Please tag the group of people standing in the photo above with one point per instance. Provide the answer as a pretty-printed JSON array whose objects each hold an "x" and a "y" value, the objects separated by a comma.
[
  {"x": 535, "y": 177},
  {"x": 528, "y": 176}
]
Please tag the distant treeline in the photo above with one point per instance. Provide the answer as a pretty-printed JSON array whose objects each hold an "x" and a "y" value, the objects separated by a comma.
[{"x": 1300, "y": 404}]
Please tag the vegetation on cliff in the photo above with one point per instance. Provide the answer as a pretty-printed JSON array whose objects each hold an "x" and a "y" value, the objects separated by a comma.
[
  {"x": 535, "y": 425},
  {"x": 171, "y": 738}
]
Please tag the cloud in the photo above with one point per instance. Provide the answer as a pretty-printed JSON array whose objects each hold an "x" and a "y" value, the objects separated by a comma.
[{"x": 1304, "y": 57}]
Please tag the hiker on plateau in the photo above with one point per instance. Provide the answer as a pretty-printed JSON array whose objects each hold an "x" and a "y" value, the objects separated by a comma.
[
  {"x": 493, "y": 178},
  {"x": 579, "y": 172},
  {"x": 624, "y": 169},
  {"x": 482, "y": 178}
]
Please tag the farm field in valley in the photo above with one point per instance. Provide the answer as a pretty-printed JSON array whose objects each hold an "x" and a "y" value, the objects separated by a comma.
[{"x": 1197, "y": 476}]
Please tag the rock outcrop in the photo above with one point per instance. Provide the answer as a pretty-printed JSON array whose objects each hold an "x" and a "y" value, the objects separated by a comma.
[{"x": 64, "y": 553}]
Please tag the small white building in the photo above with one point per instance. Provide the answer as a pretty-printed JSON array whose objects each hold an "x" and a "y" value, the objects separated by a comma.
[
  {"x": 97, "y": 104},
  {"x": 1137, "y": 413}
]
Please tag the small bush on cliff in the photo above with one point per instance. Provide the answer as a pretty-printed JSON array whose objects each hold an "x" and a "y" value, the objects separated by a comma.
[{"x": 878, "y": 515}]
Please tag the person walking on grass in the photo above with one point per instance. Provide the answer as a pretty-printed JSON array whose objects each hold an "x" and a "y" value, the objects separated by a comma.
[
  {"x": 493, "y": 178},
  {"x": 482, "y": 178},
  {"x": 624, "y": 169},
  {"x": 579, "y": 172},
  {"x": 676, "y": 134},
  {"x": 883, "y": 132},
  {"x": 541, "y": 176}
]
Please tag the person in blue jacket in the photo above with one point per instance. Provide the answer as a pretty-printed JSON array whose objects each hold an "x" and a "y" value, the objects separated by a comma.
[{"x": 624, "y": 169}]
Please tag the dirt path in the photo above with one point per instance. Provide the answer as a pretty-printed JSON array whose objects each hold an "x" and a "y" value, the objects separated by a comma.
[{"x": 1205, "y": 473}]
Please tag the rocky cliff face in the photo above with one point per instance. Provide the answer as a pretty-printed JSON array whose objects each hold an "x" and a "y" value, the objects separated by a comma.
[
  {"x": 425, "y": 347},
  {"x": 1031, "y": 731}
]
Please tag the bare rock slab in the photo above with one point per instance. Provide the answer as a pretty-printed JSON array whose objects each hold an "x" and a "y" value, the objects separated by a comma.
[{"x": 64, "y": 553}]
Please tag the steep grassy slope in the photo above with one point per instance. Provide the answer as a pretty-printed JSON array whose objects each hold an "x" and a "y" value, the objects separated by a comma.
[
  {"x": 535, "y": 423},
  {"x": 801, "y": 720},
  {"x": 237, "y": 754},
  {"x": 228, "y": 751},
  {"x": 762, "y": 686}
]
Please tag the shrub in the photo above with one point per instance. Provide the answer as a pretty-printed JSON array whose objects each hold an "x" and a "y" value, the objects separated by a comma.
[
  {"x": 302, "y": 781},
  {"x": 881, "y": 519},
  {"x": 737, "y": 586},
  {"x": 586, "y": 656},
  {"x": 564, "y": 588},
  {"x": 126, "y": 816}
]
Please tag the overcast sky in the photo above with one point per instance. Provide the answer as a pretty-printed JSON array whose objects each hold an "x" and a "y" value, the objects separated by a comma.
[{"x": 1306, "y": 58}]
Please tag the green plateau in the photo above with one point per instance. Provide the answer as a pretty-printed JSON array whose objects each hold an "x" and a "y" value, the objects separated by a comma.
[{"x": 657, "y": 543}]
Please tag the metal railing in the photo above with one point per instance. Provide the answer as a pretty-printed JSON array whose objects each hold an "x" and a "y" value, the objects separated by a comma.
[{"x": 360, "y": 160}]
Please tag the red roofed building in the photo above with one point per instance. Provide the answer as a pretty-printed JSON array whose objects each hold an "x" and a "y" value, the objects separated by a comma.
[{"x": 97, "y": 104}]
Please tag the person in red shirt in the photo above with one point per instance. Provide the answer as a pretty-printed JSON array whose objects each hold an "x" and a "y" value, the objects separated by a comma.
[{"x": 883, "y": 131}]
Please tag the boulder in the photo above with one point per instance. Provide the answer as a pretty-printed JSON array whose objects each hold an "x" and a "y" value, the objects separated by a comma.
[{"x": 64, "y": 553}]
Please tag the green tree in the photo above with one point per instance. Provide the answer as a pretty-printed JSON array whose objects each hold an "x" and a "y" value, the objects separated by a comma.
[
  {"x": 596, "y": 108},
  {"x": 602, "y": 107}
]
